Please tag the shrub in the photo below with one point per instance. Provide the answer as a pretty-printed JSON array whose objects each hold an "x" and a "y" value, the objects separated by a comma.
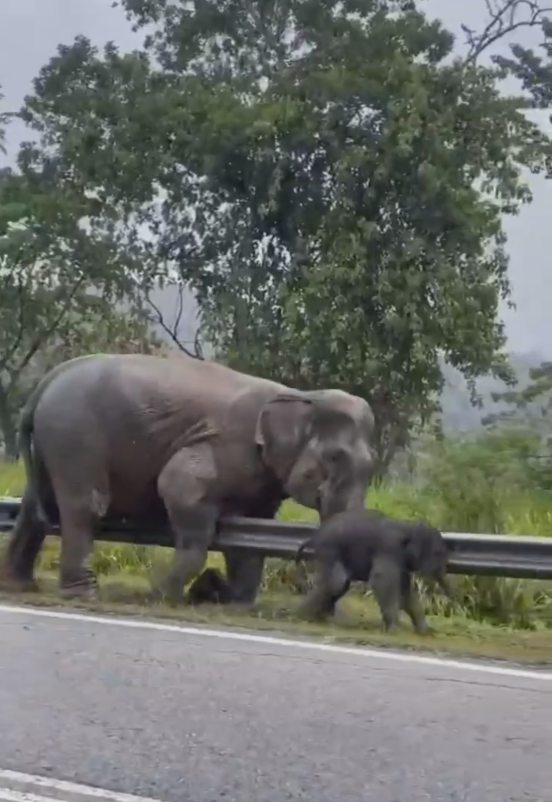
[{"x": 482, "y": 484}]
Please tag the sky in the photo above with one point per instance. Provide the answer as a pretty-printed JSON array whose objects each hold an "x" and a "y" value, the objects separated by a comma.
[{"x": 30, "y": 31}]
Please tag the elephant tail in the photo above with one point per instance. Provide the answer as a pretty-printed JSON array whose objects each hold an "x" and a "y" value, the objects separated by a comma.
[
  {"x": 25, "y": 449},
  {"x": 301, "y": 549},
  {"x": 25, "y": 435}
]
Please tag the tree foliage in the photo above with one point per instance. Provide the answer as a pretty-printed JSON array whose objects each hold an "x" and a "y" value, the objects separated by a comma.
[
  {"x": 60, "y": 284},
  {"x": 326, "y": 176}
]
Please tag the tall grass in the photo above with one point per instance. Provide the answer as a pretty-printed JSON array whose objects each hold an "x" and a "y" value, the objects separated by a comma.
[
  {"x": 466, "y": 486},
  {"x": 12, "y": 479}
]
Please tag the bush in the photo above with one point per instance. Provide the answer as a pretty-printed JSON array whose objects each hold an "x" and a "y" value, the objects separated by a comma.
[{"x": 478, "y": 484}]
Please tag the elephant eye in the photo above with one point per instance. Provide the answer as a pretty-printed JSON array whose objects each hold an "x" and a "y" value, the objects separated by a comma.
[{"x": 337, "y": 457}]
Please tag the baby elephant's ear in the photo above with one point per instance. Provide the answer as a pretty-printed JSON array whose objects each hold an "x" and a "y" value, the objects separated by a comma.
[{"x": 413, "y": 544}]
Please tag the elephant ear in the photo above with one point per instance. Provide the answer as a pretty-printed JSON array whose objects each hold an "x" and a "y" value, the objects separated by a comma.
[
  {"x": 415, "y": 543},
  {"x": 283, "y": 427}
]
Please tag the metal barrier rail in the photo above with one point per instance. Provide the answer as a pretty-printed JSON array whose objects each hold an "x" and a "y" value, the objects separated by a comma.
[{"x": 491, "y": 555}]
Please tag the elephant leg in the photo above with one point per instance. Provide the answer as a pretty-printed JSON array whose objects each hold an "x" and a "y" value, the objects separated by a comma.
[
  {"x": 193, "y": 533},
  {"x": 245, "y": 571},
  {"x": 410, "y": 603},
  {"x": 385, "y": 579},
  {"x": 245, "y": 574},
  {"x": 331, "y": 583},
  {"x": 184, "y": 485},
  {"x": 19, "y": 559},
  {"x": 82, "y": 493},
  {"x": 76, "y": 577}
]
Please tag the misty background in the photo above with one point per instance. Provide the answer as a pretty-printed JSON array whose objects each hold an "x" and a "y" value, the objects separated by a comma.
[{"x": 30, "y": 31}]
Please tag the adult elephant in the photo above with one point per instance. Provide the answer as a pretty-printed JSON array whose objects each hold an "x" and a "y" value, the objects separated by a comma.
[{"x": 179, "y": 438}]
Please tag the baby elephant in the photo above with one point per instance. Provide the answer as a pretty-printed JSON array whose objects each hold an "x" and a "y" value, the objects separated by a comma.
[{"x": 366, "y": 545}]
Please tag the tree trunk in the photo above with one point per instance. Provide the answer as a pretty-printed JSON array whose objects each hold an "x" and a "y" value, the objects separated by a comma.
[{"x": 8, "y": 427}]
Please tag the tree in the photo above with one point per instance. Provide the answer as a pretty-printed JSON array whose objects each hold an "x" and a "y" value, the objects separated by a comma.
[
  {"x": 60, "y": 284},
  {"x": 332, "y": 185}
]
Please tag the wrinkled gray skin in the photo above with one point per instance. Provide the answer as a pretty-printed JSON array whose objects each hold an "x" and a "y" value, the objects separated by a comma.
[
  {"x": 151, "y": 438},
  {"x": 366, "y": 545}
]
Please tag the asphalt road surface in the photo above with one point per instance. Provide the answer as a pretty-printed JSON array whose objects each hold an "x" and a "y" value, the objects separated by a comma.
[{"x": 180, "y": 716}]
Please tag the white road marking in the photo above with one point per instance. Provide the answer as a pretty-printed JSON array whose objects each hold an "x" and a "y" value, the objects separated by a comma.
[
  {"x": 270, "y": 640},
  {"x": 59, "y": 787},
  {"x": 7, "y": 795}
]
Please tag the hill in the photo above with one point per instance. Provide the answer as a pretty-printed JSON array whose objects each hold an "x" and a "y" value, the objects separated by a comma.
[{"x": 459, "y": 415}]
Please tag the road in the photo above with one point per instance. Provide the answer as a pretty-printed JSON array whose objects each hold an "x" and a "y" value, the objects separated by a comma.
[{"x": 180, "y": 716}]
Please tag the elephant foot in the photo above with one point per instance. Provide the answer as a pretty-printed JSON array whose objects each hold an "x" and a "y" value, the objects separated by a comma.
[
  {"x": 164, "y": 589},
  {"x": 86, "y": 593},
  {"x": 243, "y": 607},
  {"x": 170, "y": 591},
  {"x": 160, "y": 594},
  {"x": 244, "y": 574},
  {"x": 85, "y": 588},
  {"x": 13, "y": 581},
  {"x": 239, "y": 599},
  {"x": 341, "y": 618},
  {"x": 423, "y": 629},
  {"x": 29, "y": 586}
]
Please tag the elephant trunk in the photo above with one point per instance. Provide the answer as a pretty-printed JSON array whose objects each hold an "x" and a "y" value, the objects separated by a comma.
[{"x": 330, "y": 504}]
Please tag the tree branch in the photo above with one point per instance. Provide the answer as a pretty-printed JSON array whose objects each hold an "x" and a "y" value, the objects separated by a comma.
[
  {"x": 503, "y": 20},
  {"x": 172, "y": 331},
  {"x": 197, "y": 344}
]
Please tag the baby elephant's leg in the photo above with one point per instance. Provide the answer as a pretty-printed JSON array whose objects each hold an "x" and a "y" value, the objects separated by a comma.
[
  {"x": 331, "y": 583},
  {"x": 410, "y": 603},
  {"x": 385, "y": 579}
]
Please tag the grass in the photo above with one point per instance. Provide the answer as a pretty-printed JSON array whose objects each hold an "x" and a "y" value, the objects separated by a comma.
[
  {"x": 12, "y": 479},
  {"x": 492, "y": 618}
]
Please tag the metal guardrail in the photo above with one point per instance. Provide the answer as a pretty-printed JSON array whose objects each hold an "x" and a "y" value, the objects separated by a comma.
[{"x": 491, "y": 555}]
